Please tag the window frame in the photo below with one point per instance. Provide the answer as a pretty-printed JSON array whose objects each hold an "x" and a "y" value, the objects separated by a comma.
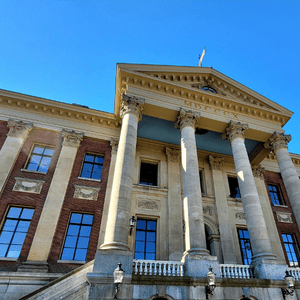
[
  {"x": 82, "y": 165},
  {"x": 150, "y": 162},
  {"x": 279, "y": 194},
  {"x": 61, "y": 260},
  {"x": 244, "y": 258},
  {"x": 296, "y": 249},
  {"x": 31, "y": 154},
  {"x": 202, "y": 181},
  {"x": 230, "y": 195}
]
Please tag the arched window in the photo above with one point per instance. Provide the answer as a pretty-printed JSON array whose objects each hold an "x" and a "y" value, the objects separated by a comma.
[{"x": 209, "y": 89}]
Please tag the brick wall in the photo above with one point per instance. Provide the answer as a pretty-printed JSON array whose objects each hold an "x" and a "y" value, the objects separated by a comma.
[{"x": 275, "y": 178}]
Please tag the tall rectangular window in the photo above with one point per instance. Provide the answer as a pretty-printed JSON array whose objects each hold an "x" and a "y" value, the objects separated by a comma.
[
  {"x": 40, "y": 158},
  {"x": 201, "y": 181},
  {"x": 148, "y": 174},
  {"x": 291, "y": 249},
  {"x": 92, "y": 166},
  {"x": 78, "y": 237},
  {"x": 245, "y": 246},
  {"x": 275, "y": 194},
  {"x": 145, "y": 240},
  {"x": 14, "y": 231},
  {"x": 234, "y": 187}
]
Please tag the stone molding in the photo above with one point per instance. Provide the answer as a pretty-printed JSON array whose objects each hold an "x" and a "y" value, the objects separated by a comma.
[
  {"x": 258, "y": 171},
  {"x": 114, "y": 145},
  {"x": 132, "y": 104},
  {"x": 173, "y": 155},
  {"x": 148, "y": 204},
  {"x": 235, "y": 130},
  {"x": 284, "y": 217},
  {"x": 86, "y": 192},
  {"x": 212, "y": 224},
  {"x": 240, "y": 215},
  {"x": 71, "y": 138},
  {"x": 187, "y": 118},
  {"x": 215, "y": 163},
  {"x": 28, "y": 185},
  {"x": 18, "y": 129},
  {"x": 277, "y": 141}
]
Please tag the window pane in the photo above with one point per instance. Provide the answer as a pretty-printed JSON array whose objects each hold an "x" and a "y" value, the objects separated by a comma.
[
  {"x": 87, "y": 167},
  {"x": 5, "y": 237},
  {"x": 150, "y": 256},
  {"x": 3, "y": 249},
  {"x": 38, "y": 149},
  {"x": 87, "y": 219},
  {"x": 141, "y": 224},
  {"x": 150, "y": 247},
  {"x": 96, "y": 176},
  {"x": 139, "y": 246},
  {"x": 10, "y": 225},
  {"x": 49, "y": 151},
  {"x": 45, "y": 161},
  {"x": 76, "y": 218},
  {"x": 68, "y": 254},
  {"x": 83, "y": 242},
  {"x": 19, "y": 238},
  {"x": 14, "y": 212},
  {"x": 32, "y": 167},
  {"x": 23, "y": 226},
  {"x": 80, "y": 254},
  {"x": 85, "y": 231},
  {"x": 35, "y": 159},
  {"x": 73, "y": 230},
  {"x": 89, "y": 158},
  {"x": 27, "y": 214},
  {"x": 14, "y": 251},
  {"x": 99, "y": 159},
  {"x": 151, "y": 236},
  {"x": 70, "y": 241},
  {"x": 245, "y": 246},
  {"x": 140, "y": 235},
  {"x": 139, "y": 255},
  {"x": 151, "y": 225}
]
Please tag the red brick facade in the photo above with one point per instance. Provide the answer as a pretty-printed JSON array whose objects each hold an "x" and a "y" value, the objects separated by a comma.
[{"x": 291, "y": 228}]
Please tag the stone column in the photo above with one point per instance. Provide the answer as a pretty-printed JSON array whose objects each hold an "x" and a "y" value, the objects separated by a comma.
[
  {"x": 278, "y": 143},
  {"x": 228, "y": 250},
  {"x": 195, "y": 242},
  {"x": 260, "y": 241},
  {"x": 174, "y": 205},
  {"x": 117, "y": 228},
  {"x": 114, "y": 148},
  {"x": 18, "y": 132},
  {"x": 45, "y": 231}
]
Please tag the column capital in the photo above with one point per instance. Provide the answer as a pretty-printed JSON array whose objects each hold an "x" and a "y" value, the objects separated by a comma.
[
  {"x": 173, "y": 155},
  {"x": 235, "y": 130},
  {"x": 216, "y": 163},
  {"x": 132, "y": 104},
  {"x": 71, "y": 138},
  {"x": 277, "y": 141},
  {"x": 187, "y": 118},
  {"x": 114, "y": 145},
  {"x": 18, "y": 129},
  {"x": 258, "y": 171}
]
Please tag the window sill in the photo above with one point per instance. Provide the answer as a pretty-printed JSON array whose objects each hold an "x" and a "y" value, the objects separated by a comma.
[
  {"x": 79, "y": 262},
  {"x": 151, "y": 186},
  {"x": 9, "y": 258},
  {"x": 90, "y": 179},
  {"x": 30, "y": 171},
  {"x": 279, "y": 205}
]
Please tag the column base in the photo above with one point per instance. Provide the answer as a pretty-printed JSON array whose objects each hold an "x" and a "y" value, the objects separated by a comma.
[
  {"x": 115, "y": 246},
  {"x": 268, "y": 270},
  {"x": 196, "y": 265},
  {"x": 33, "y": 267},
  {"x": 264, "y": 258},
  {"x": 197, "y": 251}
]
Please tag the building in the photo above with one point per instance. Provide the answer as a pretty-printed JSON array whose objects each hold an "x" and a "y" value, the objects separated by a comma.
[{"x": 191, "y": 171}]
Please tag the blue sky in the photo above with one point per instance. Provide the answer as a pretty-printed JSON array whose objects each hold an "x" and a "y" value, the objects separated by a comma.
[{"x": 67, "y": 50}]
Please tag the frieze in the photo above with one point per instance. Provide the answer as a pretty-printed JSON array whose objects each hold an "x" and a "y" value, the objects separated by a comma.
[
  {"x": 28, "y": 185},
  {"x": 277, "y": 141},
  {"x": 148, "y": 204},
  {"x": 133, "y": 105},
  {"x": 18, "y": 129},
  {"x": 86, "y": 192},
  {"x": 187, "y": 118},
  {"x": 284, "y": 217},
  {"x": 173, "y": 155}
]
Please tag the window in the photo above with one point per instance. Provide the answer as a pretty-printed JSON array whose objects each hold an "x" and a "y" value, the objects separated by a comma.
[
  {"x": 145, "y": 240},
  {"x": 234, "y": 187},
  {"x": 78, "y": 237},
  {"x": 245, "y": 246},
  {"x": 291, "y": 249},
  {"x": 14, "y": 231},
  {"x": 40, "y": 158},
  {"x": 148, "y": 175},
  {"x": 201, "y": 181},
  {"x": 275, "y": 194},
  {"x": 92, "y": 166},
  {"x": 209, "y": 89}
]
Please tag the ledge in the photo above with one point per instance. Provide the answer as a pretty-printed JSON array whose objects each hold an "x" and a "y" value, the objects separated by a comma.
[
  {"x": 78, "y": 262},
  {"x": 36, "y": 172},
  {"x": 9, "y": 258},
  {"x": 89, "y": 179}
]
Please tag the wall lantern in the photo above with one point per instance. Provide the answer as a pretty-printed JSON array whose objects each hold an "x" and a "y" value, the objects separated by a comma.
[
  {"x": 211, "y": 279},
  {"x": 131, "y": 224},
  {"x": 290, "y": 281},
  {"x": 118, "y": 279}
]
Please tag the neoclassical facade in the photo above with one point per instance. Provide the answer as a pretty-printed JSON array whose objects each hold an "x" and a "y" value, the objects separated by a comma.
[{"x": 191, "y": 172}]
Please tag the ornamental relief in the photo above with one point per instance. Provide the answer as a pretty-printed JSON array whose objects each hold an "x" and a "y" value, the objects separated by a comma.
[
  {"x": 208, "y": 210},
  {"x": 240, "y": 215},
  {"x": 86, "y": 192},
  {"x": 28, "y": 185},
  {"x": 71, "y": 138},
  {"x": 18, "y": 129},
  {"x": 148, "y": 204},
  {"x": 284, "y": 217}
]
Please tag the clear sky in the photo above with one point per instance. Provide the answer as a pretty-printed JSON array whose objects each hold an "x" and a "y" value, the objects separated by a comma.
[{"x": 67, "y": 50}]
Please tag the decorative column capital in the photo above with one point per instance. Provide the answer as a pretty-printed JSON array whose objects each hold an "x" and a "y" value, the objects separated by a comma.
[
  {"x": 258, "y": 171},
  {"x": 132, "y": 104},
  {"x": 114, "y": 145},
  {"x": 277, "y": 141},
  {"x": 187, "y": 118},
  {"x": 173, "y": 155},
  {"x": 216, "y": 163},
  {"x": 18, "y": 129},
  {"x": 235, "y": 130},
  {"x": 71, "y": 138}
]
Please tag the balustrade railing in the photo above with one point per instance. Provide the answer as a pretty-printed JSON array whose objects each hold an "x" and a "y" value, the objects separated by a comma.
[
  {"x": 157, "y": 267},
  {"x": 295, "y": 272},
  {"x": 236, "y": 271}
]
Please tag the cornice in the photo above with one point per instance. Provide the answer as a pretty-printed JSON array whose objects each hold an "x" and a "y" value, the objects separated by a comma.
[
  {"x": 295, "y": 158},
  {"x": 56, "y": 109},
  {"x": 199, "y": 99}
]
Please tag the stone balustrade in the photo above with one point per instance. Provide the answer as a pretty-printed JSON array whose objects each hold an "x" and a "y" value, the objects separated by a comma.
[
  {"x": 157, "y": 267},
  {"x": 295, "y": 272},
  {"x": 236, "y": 271}
]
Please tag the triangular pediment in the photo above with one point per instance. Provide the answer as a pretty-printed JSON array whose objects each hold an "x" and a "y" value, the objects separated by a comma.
[{"x": 204, "y": 81}]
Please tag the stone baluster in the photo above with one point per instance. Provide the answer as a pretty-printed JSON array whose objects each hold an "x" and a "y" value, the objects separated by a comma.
[
  {"x": 117, "y": 228},
  {"x": 278, "y": 143},
  {"x": 195, "y": 243},
  {"x": 18, "y": 132},
  {"x": 260, "y": 241}
]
